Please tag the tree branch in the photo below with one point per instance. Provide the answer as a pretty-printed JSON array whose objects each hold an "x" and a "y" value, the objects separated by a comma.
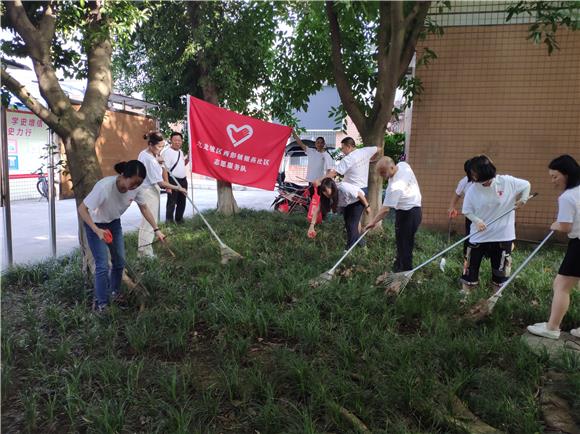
[
  {"x": 416, "y": 26},
  {"x": 29, "y": 101},
  {"x": 409, "y": 18},
  {"x": 99, "y": 76},
  {"x": 24, "y": 27},
  {"x": 38, "y": 48},
  {"x": 397, "y": 35},
  {"x": 382, "y": 55},
  {"x": 346, "y": 95},
  {"x": 47, "y": 25}
]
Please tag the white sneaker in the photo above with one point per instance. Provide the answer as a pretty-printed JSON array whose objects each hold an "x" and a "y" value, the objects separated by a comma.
[
  {"x": 575, "y": 332},
  {"x": 541, "y": 329}
]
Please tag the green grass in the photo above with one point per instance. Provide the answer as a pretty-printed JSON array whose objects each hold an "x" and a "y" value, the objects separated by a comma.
[{"x": 252, "y": 347}]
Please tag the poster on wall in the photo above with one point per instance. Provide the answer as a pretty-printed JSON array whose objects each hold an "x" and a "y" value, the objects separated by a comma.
[{"x": 27, "y": 139}]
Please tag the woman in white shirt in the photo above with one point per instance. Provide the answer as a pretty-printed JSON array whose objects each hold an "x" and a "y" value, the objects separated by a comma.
[
  {"x": 489, "y": 197},
  {"x": 351, "y": 202},
  {"x": 151, "y": 189},
  {"x": 565, "y": 174},
  {"x": 101, "y": 213}
]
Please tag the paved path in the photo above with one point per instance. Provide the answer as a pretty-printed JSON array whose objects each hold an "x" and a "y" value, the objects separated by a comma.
[{"x": 30, "y": 229}]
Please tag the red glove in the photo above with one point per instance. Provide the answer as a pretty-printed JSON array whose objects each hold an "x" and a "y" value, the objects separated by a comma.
[{"x": 108, "y": 237}]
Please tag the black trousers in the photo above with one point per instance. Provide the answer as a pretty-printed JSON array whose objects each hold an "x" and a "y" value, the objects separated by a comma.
[
  {"x": 406, "y": 225},
  {"x": 467, "y": 232},
  {"x": 352, "y": 214},
  {"x": 499, "y": 253},
  {"x": 176, "y": 201}
]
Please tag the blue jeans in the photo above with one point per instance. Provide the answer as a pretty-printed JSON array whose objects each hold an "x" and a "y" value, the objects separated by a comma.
[{"x": 107, "y": 281}]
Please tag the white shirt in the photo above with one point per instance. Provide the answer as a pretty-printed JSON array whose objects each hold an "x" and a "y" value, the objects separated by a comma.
[
  {"x": 569, "y": 210},
  {"x": 462, "y": 186},
  {"x": 355, "y": 166},
  {"x": 403, "y": 190},
  {"x": 318, "y": 163},
  {"x": 154, "y": 171},
  {"x": 171, "y": 156},
  {"x": 106, "y": 203},
  {"x": 488, "y": 203},
  {"x": 348, "y": 194}
]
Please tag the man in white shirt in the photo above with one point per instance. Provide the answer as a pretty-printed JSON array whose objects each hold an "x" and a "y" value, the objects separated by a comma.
[
  {"x": 354, "y": 167},
  {"x": 403, "y": 194},
  {"x": 319, "y": 160},
  {"x": 175, "y": 161}
]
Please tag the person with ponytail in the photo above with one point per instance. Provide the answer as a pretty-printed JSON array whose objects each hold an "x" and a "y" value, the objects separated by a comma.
[
  {"x": 346, "y": 198},
  {"x": 101, "y": 213},
  {"x": 153, "y": 162},
  {"x": 564, "y": 172}
]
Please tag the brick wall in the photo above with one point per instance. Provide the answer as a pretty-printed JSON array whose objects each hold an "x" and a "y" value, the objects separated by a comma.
[
  {"x": 493, "y": 91},
  {"x": 121, "y": 139}
]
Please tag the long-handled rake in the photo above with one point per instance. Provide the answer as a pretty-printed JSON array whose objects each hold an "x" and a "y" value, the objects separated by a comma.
[
  {"x": 395, "y": 283},
  {"x": 484, "y": 307},
  {"x": 443, "y": 260},
  {"x": 327, "y": 276},
  {"x": 228, "y": 254}
]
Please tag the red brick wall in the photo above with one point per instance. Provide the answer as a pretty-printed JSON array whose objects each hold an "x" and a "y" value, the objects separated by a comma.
[
  {"x": 121, "y": 139},
  {"x": 492, "y": 91}
]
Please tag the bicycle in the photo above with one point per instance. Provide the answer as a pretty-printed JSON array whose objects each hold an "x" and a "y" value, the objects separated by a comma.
[{"x": 42, "y": 183}]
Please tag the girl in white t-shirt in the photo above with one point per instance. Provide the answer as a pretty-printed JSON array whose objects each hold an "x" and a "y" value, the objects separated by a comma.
[
  {"x": 101, "y": 213},
  {"x": 489, "y": 197},
  {"x": 150, "y": 157},
  {"x": 565, "y": 174}
]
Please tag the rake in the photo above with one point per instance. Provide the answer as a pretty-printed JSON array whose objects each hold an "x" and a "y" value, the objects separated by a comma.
[
  {"x": 443, "y": 260},
  {"x": 228, "y": 254},
  {"x": 395, "y": 283},
  {"x": 327, "y": 276},
  {"x": 484, "y": 308}
]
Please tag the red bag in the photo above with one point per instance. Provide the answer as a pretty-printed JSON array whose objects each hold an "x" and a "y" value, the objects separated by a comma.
[{"x": 315, "y": 203}]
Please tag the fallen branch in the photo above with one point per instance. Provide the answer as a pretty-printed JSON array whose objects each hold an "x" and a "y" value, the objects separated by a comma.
[{"x": 350, "y": 417}]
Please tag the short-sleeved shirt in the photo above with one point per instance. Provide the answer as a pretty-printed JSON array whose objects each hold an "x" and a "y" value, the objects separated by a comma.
[
  {"x": 318, "y": 164},
  {"x": 403, "y": 190},
  {"x": 347, "y": 194},
  {"x": 106, "y": 203},
  {"x": 569, "y": 210},
  {"x": 171, "y": 157},
  {"x": 355, "y": 166},
  {"x": 462, "y": 186},
  {"x": 488, "y": 203},
  {"x": 154, "y": 170}
]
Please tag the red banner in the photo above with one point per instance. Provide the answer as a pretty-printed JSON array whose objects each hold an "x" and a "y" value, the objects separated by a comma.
[{"x": 235, "y": 148}]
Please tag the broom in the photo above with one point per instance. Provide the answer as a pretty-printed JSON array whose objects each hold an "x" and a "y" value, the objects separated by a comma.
[
  {"x": 327, "y": 276},
  {"x": 395, "y": 283},
  {"x": 484, "y": 308},
  {"x": 228, "y": 254}
]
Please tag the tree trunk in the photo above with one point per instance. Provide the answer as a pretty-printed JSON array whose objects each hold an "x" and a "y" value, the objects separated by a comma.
[
  {"x": 226, "y": 202},
  {"x": 375, "y": 181},
  {"x": 85, "y": 171}
]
